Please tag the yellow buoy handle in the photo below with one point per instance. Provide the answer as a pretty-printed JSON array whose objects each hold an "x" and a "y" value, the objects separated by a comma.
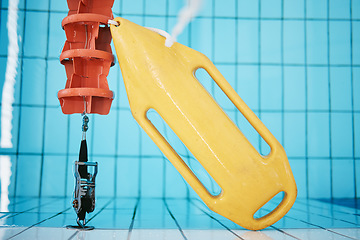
[
  {"x": 173, "y": 157},
  {"x": 274, "y": 216},
  {"x": 205, "y": 63}
]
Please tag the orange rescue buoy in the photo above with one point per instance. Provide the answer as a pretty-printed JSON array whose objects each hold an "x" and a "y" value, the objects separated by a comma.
[{"x": 87, "y": 57}]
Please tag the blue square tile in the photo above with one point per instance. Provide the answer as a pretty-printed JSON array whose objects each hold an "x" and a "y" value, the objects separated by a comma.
[
  {"x": 294, "y": 42},
  {"x": 128, "y": 177},
  {"x": 273, "y": 121},
  {"x": 357, "y": 134},
  {"x": 248, "y": 85},
  {"x": 341, "y": 135},
  {"x": 355, "y": 9},
  {"x": 298, "y": 167},
  {"x": 184, "y": 37},
  {"x": 147, "y": 145},
  {"x": 33, "y": 82},
  {"x": 316, "y": 40},
  {"x": 133, "y": 7},
  {"x": 14, "y": 132},
  {"x": 36, "y": 35},
  {"x": 294, "y": 134},
  {"x": 24, "y": 187},
  {"x": 106, "y": 176},
  {"x": 249, "y": 132},
  {"x": 57, "y": 35},
  {"x": 56, "y": 5},
  {"x": 356, "y": 42},
  {"x": 135, "y": 18},
  {"x": 70, "y": 177},
  {"x": 318, "y": 134},
  {"x": 340, "y": 88},
  {"x": 9, "y": 165},
  {"x": 42, "y": 5},
  {"x": 5, "y": 4},
  {"x": 53, "y": 176},
  {"x": 294, "y": 88},
  {"x": 294, "y": 8},
  {"x": 3, "y": 65},
  {"x": 343, "y": 178},
  {"x": 271, "y": 88},
  {"x": 113, "y": 80},
  {"x": 206, "y": 81},
  {"x": 319, "y": 178},
  {"x": 225, "y": 8},
  {"x": 339, "y": 42},
  {"x": 56, "y": 134},
  {"x": 75, "y": 133},
  {"x": 270, "y": 41},
  {"x": 116, "y": 8},
  {"x": 224, "y": 40},
  {"x": 152, "y": 177},
  {"x": 174, "y": 7},
  {"x": 248, "y": 41},
  {"x": 228, "y": 71},
  {"x": 206, "y": 9},
  {"x": 129, "y": 135},
  {"x": 316, "y": 9},
  {"x": 201, "y": 29},
  {"x": 156, "y": 22},
  {"x": 357, "y": 173},
  {"x": 318, "y": 88},
  {"x": 31, "y": 130},
  {"x": 248, "y": 9},
  {"x": 155, "y": 7},
  {"x": 175, "y": 185},
  {"x": 4, "y": 41},
  {"x": 339, "y": 9},
  {"x": 105, "y": 133},
  {"x": 172, "y": 139},
  {"x": 270, "y": 8},
  {"x": 123, "y": 99},
  {"x": 56, "y": 80}
]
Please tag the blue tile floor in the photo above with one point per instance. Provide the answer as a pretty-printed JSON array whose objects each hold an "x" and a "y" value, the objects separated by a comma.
[{"x": 155, "y": 218}]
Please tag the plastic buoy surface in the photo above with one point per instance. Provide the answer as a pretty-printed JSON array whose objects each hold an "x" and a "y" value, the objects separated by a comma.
[
  {"x": 162, "y": 78},
  {"x": 87, "y": 57}
]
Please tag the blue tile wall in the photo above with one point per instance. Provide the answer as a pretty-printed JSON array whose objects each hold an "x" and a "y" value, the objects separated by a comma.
[
  {"x": 316, "y": 42},
  {"x": 295, "y": 63}
]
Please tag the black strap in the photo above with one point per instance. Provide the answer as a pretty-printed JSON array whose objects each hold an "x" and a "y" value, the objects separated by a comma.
[{"x": 83, "y": 157}]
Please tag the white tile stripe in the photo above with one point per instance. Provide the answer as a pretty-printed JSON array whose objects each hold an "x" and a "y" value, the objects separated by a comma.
[{"x": 11, "y": 65}]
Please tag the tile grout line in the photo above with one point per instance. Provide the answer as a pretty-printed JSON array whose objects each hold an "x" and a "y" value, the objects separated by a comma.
[
  {"x": 213, "y": 218},
  {"x": 25, "y": 211},
  {"x": 131, "y": 227},
  {"x": 200, "y": 17},
  {"x": 57, "y": 214},
  {"x": 338, "y": 211},
  {"x": 21, "y": 66},
  {"x": 101, "y": 209},
  {"x": 221, "y": 63},
  {"x": 176, "y": 222},
  {"x": 315, "y": 225},
  {"x": 333, "y": 218},
  {"x": 45, "y": 105},
  {"x": 284, "y": 232}
]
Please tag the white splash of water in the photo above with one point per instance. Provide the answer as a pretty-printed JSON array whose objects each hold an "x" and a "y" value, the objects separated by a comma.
[
  {"x": 10, "y": 74},
  {"x": 186, "y": 14},
  {"x": 5, "y": 174}
]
